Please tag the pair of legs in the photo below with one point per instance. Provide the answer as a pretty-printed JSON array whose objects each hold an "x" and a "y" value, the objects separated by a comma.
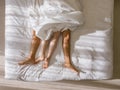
[
  {"x": 52, "y": 45},
  {"x": 34, "y": 47}
]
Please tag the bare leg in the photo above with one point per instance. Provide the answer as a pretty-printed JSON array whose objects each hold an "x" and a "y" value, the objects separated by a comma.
[
  {"x": 34, "y": 46},
  {"x": 66, "y": 50},
  {"x": 52, "y": 46},
  {"x": 43, "y": 50}
]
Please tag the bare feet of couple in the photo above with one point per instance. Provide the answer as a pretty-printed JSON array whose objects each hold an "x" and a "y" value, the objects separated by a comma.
[{"x": 32, "y": 60}]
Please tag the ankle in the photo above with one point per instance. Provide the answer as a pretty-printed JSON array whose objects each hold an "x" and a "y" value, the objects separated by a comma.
[
  {"x": 41, "y": 54},
  {"x": 47, "y": 58},
  {"x": 31, "y": 56},
  {"x": 68, "y": 62},
  {"x": 41, "y": 57}
]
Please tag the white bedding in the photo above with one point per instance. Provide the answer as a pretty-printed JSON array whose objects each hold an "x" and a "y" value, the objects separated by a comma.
[
  {"x": 54, "y": 15},
  {"x": 91, "y": 45}
]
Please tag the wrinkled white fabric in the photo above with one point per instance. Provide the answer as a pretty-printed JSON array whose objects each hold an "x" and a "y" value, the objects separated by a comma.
[
  {"x": 91, "y": 44},
  {"x": 50, "y": 16}
]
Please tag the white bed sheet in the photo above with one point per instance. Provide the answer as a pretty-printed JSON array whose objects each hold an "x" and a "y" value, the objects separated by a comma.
[{"x": 91, "y": 45}]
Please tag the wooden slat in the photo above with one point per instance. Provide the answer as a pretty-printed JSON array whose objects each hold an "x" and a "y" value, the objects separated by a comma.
[
  {"x": 117, "y": 39},
  {"x": 2, "y": 26}
]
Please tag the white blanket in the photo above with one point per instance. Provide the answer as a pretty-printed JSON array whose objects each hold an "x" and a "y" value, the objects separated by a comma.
[
  {"x": 50, "y": 16},
  {"x": 91, "y": 45}
]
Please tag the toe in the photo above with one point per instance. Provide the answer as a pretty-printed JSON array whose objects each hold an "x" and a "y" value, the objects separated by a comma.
[{"x": 45, "y": 65}]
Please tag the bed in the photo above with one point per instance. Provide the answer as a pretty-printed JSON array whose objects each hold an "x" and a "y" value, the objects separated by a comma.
[{"x": 91, "y": 45}]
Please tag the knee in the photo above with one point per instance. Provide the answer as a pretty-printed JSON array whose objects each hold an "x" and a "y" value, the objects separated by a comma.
[
  {"x": 53, "y": 42},
  {"x": 54, "y": 39},
  {"x": 66, "y": 41},
  {"x": 44, "y": 42},
  {"x": 35, "y": 39},
  {"x": 56, "y": 35}
]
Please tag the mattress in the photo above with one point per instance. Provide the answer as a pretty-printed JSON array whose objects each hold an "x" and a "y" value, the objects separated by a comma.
[{"x": 91, "y": 45}]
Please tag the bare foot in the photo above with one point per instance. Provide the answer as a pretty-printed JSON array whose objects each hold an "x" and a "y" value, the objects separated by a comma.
[
  {"x": 39, "y": 59},
  {"x": 69, "y": 66},
  {"x": 27, "y": 61},
  {"x": 46, "y": 63}
]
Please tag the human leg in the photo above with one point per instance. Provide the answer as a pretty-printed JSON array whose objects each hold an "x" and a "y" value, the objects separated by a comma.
[
  {"x": 34, "y": 46},
  {"x": 42, "y": 52},
  {"x": 66, "y": 50},
  {"x": 52, "y": 46}
]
